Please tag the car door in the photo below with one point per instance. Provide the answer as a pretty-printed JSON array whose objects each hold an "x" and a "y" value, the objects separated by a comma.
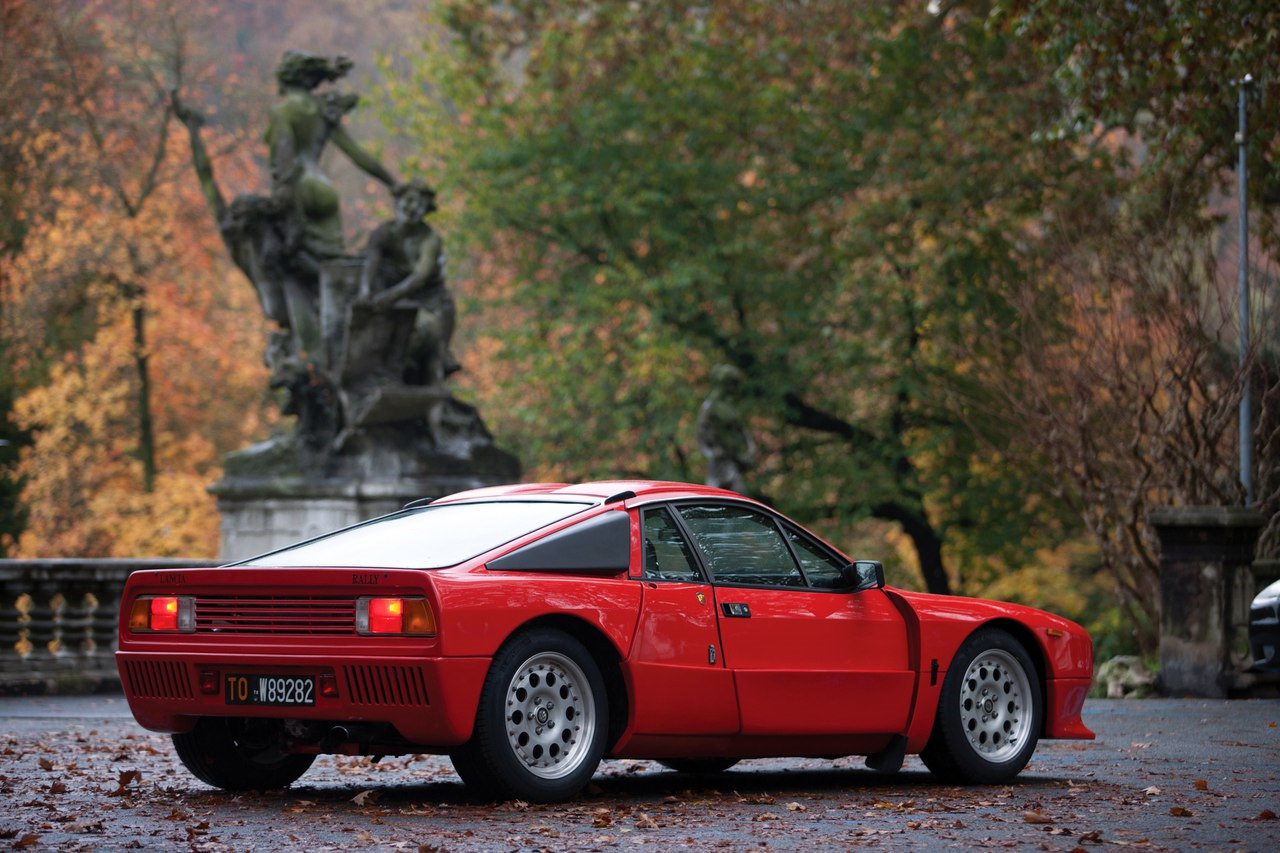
[
  {"x": 681, "y": 685},
  {"x": 807, "y": 657}
]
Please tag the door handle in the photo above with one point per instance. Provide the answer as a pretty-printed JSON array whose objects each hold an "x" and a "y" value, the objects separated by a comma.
[{"x": 736, "y": 609}]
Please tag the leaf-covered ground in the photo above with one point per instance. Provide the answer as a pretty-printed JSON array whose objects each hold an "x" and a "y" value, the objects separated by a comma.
[{"x": 1163, "y": 775}]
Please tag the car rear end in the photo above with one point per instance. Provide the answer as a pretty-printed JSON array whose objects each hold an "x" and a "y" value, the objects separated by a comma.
[{"x": 346, "y": 660}]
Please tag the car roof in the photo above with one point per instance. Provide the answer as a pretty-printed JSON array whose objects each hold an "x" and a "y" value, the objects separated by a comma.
[{"x": 596, "y": 490}]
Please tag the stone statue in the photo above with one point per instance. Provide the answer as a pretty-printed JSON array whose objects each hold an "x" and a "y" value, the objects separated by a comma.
[
  {"x": 363, "y": 342},
  {"x": 722, "y": 432},
  {"x": 300, "y": 127},
  {"x": 405, "y": 263}
]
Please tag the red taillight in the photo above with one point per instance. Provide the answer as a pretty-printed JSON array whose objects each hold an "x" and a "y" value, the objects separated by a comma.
[
  {"x": 394, "y": 616},
  {"x": 386, "y": 615},
  {"x": 328, "y": 685},
  {"x": 164, "y": 614}
]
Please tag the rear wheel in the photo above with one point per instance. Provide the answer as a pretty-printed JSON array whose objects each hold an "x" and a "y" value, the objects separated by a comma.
[
  {"x": 541, "y": 723},
  {"x": 989, "y": 713},
  {"x": 240, "y": 754}
]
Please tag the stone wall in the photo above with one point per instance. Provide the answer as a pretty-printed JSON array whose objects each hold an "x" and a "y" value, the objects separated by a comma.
[{"x": 58, "y": 630}]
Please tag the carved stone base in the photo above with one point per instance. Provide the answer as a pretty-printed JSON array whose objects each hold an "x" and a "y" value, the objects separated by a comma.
[
  {"x": 280, "y": 491},
  {"x": 261, "y": 514}
]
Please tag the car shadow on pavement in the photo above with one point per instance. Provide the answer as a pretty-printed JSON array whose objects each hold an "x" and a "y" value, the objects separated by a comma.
[{"x": 834, "y": 783}]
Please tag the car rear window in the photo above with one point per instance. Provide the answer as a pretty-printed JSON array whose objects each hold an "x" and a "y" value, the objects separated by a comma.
[{"x": 431, "y": 537}]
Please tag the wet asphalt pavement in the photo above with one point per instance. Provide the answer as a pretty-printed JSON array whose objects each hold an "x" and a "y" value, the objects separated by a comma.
[{"x": 76, "y": 773}]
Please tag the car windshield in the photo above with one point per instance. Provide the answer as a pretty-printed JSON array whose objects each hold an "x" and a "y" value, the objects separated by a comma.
[{"x": 432, "y": 537}]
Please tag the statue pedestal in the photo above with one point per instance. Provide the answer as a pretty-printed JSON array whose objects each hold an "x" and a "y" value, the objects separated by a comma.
[
  {"x": 261, "y": 514},
  {"x": 280, "y": 491}
]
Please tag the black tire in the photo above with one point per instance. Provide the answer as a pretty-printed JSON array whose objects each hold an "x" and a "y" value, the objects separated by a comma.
[
  {"x": 699, "y": 766},
  {"x": 541, "y": 723},
  {"x": 989, "y": 712},
  {"x": 240, "y": 754}
]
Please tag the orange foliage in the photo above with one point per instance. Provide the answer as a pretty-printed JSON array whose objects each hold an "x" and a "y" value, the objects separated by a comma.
[{"x": 205, "y": 336}]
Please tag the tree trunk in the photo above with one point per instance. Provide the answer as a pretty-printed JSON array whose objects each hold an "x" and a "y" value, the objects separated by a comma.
[
  {"x": 927, "y": 543},
  {"x": 146, "y": 435}
]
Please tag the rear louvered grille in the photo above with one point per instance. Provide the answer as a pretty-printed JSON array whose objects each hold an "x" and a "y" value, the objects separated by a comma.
[
  {"x": 386, "y": 685},
  {"x": 263, "y": 615},
  {"x": 158, "y": 679}
]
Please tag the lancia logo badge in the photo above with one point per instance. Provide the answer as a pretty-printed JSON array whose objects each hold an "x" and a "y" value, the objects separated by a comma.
[{"x": 702, "y": 599}]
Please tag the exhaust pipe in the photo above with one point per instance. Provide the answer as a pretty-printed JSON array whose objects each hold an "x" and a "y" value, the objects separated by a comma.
[{"x": 335, "y": 736}]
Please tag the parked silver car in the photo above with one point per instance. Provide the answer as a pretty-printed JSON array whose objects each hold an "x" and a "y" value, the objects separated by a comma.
[{"x": 1264, "y": 628}]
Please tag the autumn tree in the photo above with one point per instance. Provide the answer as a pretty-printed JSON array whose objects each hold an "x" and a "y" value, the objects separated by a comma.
[
  {"x": 31, "y": 166},
  {"x": 121, "y": 320},
  {"x": 823, "y": 195},
  {"x": 1166, "y": 74}
]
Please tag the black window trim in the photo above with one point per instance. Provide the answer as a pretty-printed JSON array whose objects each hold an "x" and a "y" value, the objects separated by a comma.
[
  {"x": 699, "y": 564},
  {"x": 781, "y": 524}
]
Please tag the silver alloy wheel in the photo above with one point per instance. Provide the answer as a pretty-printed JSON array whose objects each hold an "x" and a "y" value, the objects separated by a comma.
[
  {"x": 550, "y": 715},
  {"x": 996, "y": 705}
]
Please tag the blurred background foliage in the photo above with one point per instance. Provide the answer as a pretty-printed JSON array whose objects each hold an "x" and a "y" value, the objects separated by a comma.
[{"x": 976, "y": 260}]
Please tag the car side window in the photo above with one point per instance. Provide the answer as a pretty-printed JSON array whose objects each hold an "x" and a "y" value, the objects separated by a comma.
[
  {"x": 820, "y": 568},
  {"x": 741, "y": 545},
  {"x": 666, "y": 553}
]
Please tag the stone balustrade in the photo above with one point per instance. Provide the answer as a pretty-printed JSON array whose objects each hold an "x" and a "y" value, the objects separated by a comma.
[{"x": 58, "y": 622}]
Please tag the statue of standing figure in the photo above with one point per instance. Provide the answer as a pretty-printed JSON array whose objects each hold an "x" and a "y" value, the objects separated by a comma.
[
  {"x": 300, "y": 127},
  {"x": 363, "y": 342},
  {"x": 722, "y": 431}
]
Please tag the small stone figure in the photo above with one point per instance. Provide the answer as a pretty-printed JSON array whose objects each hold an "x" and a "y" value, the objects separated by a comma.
[
  {"x": 722, "y": 432},
  {"x": 405, "y": 262}
]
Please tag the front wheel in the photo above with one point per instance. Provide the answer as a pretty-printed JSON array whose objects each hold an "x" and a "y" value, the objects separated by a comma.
[
  {"x": 240, "y": 754},
  {"x": 541, "y": 723},
  {"x": 989, "y": 712}
]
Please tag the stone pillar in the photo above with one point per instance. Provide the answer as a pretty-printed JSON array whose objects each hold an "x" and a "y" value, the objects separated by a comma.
[
  {"x": 1265, "y": 573},
  {"x": 1205, "y": 555}
]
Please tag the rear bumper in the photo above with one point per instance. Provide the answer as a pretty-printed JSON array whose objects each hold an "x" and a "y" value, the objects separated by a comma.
[
  {"x": 1065, "y": 702},
  {"x": 429, "y": 701}
]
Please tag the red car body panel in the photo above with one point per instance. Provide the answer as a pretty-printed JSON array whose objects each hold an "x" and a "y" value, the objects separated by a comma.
[{"x": 809, "y": 672}]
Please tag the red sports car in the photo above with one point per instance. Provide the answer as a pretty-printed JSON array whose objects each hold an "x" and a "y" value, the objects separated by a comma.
[{"x": 529, "y": 631}]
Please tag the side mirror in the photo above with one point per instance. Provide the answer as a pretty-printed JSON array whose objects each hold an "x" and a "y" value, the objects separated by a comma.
[{"x": 864, "y": 574}]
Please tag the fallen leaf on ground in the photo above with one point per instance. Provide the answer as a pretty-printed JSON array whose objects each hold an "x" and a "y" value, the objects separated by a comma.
[
  {"x": 1036, "y": 817},
  {"x": 1179, "y": 811},
  {"x": 126, "y": 778}
]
